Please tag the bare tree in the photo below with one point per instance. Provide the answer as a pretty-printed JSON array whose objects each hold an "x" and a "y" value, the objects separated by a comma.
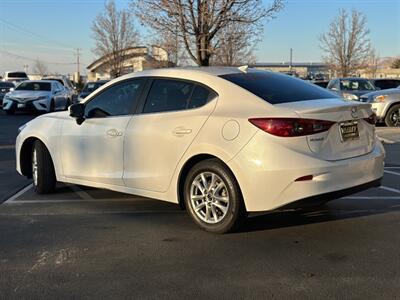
[
  {"x": 346, "y": 44},
  {"x": 396, "y": 63},
  {"x": 114, "y": 32},
  {"x": 373, "y": 63},
  {"x": 40, "y": 68},
  {"x": 236, "y": 45},
  {"x": 199, "y": 23}
]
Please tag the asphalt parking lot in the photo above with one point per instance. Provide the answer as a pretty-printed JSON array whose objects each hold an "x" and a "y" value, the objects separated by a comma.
[{"x": 89, "y": 243}]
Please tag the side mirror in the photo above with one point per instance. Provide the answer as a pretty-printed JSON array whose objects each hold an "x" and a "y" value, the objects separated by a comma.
[{"x": 77, "y": 111}]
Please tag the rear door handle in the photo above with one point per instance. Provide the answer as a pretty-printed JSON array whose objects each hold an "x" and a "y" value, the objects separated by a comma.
[{"x": 182, "y": 130}]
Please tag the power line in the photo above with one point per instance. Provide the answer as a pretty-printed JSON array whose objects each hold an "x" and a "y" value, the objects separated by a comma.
[
  {"x": 26, "y": 31},
  {"x": 33, "y": 59}
]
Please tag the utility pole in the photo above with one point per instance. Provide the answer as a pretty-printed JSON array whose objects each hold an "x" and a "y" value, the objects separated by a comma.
[
  {"x": 291, "y": 60},
  {"x": 78, "y": 77},
  {"x": 26, "y": 68}
]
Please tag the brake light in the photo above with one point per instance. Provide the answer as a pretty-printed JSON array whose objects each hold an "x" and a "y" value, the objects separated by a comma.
[
  {"x": 290, "y": 127},
  {"x": 372, "y": 119}
]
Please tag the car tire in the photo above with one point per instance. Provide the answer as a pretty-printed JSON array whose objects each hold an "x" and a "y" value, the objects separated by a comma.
[
  {"x": 51, "y": 108},
  {"x": 392, "y": 118},
  {"x": 9, "y": 112},
  {"x": 205, "y": 206},
  {"x": 43, "y": 174}
]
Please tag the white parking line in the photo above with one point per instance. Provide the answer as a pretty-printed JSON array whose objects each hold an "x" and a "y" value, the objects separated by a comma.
[
  {"x": 15, "y": 196},
  {"x": 5, "y": 147},
  {"x": 391, "y": 172},
  {"x": 392, "y": 168},
  {"x": 389, "y": 189},
  {"x": 74, "y": 201}
]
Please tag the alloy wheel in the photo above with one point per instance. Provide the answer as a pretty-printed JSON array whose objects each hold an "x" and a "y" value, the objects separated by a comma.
[
  {"x": 34, "y": 167},
  {"x": 209, "y": 197},
  {"x": 395, "y": 118}
]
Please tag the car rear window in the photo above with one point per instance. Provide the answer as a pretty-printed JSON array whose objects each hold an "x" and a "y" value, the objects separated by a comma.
[
  {"x": 6, "y": 85},
  {"x": 17, "y": 75},
  {"x": 34, "y": 86},
  {"x": 277, "y": 88}
]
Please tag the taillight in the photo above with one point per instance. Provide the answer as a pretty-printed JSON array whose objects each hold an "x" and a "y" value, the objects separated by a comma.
[
  {"x": 289, "y": 127},
  {"x": 372, "y": 119}
]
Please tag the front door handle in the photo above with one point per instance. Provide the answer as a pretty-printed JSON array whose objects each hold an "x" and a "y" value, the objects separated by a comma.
[
  {"x": 182, "y": 130},
  {"x": 114, "y": 133}
]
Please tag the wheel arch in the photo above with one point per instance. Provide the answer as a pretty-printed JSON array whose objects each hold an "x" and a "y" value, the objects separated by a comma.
[
  {"x": 186, "y": 168},
  {"x": 25, "y": 155},
  {"x": 390, "y": 106}
]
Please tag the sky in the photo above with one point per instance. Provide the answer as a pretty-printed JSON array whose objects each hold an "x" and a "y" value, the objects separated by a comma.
[{"x": 52, "y": 30}]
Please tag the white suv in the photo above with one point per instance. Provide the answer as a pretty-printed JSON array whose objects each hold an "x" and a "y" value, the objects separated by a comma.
[{"x": 15, "y": 76}]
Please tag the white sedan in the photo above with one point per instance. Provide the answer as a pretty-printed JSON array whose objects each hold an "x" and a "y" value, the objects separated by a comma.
[{"x": 221, "y": 142}]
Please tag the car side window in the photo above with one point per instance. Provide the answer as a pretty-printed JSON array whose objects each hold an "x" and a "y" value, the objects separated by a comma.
[
  {"x": 200, "y": 97},
  {"x": 117, "y": 100},
  {"x": 168, "y": 95}
]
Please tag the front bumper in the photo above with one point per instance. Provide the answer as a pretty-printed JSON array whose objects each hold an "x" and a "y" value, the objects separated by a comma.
[
  {"x": 31, "y": 105},
  {"x": 267, "y": 178},
  {"x": 380, "y": 109}
]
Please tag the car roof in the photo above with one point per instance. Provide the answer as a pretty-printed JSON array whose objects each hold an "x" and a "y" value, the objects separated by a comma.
[
  {"x": 186, "y": 71},
  {"x": 352, "y": 78},
  {"x": 45, "y": 81}
]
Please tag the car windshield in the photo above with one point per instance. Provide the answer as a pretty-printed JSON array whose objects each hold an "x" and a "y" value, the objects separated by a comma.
[
  {"x": 356, "y": 85},
  {"x": 6, "y": 85},
  {"x": 92, "y": 86},
  {"x": 277, "y": 88},
  {"x": 34, "y": 86}
]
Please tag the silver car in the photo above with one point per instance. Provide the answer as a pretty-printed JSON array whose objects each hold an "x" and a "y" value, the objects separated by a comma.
[
  {"x": 36, "y": 95},
  {"x": 386, "y": 104},
  {"x": 64, "y": 80},
  {"x": 351, "y": 88}
]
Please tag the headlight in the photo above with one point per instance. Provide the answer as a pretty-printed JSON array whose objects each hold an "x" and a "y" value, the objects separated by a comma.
[
  {"x": 41, "y": 98},
  {"x": 380, "y": 98},
  {"x": 21, "y": 128},
  {"x": 348, "y": 96}
]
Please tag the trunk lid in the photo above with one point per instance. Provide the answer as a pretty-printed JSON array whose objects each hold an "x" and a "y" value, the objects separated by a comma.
[{"x": 340, "y": 141}]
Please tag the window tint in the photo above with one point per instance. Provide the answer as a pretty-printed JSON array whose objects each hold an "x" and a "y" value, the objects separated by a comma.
[
  {"x": 34, "y": 86},
  {"x": 277, "y": 88},
  {"x": 17, "y": 75},
  {"x": 168, "y": 95},
  {"x": 356, "y": 85},
  {"x": 200, "y": 97},
  {"x": 117, "y": 100},
  {"x": 387, "y": 84}
]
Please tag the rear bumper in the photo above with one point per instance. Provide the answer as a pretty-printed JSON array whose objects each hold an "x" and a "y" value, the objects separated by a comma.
[
  {"x": 267, "y": 175},
  {"x": 323, "y": 198}
]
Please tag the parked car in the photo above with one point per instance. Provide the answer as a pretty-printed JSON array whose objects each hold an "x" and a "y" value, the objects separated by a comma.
[
  {"x": 386, "y": 104},
  {"x": 221, "y": 142},
  {"x": 322, "y": 83},
  {"x": 90, "y": 87},
  {"x": 15, "y": 76},
  {"x": 36, "y": 95},
  {"x": 351, "y": 88},
  {"x": 64, "y": 80},
  {"x": 5, "y": 87},
  {"x": 385, "y": 83}
]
